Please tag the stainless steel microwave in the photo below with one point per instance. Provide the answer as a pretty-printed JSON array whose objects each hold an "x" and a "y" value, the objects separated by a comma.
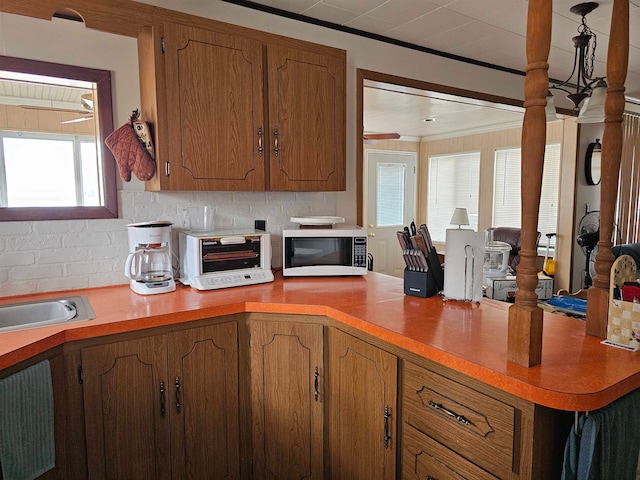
[{"x": 308, "y": 252}]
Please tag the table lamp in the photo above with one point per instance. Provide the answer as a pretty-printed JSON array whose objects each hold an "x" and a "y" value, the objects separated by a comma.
[{"x": 460, "y": 217}]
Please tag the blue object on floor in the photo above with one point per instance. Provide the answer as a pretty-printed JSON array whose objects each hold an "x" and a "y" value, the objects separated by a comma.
[{"x": 569, "y": 303}]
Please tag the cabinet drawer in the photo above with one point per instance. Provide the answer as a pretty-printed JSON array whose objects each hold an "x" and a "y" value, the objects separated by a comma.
[
  {"x": 478, "y": 427},
  {"x": 424, "y": 458}
]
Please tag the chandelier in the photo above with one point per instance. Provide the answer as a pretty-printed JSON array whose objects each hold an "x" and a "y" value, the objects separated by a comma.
[{"x": 586, "y": 92}]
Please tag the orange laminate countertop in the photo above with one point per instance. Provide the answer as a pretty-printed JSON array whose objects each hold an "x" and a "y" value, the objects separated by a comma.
[{"x": 577, "y": 372}]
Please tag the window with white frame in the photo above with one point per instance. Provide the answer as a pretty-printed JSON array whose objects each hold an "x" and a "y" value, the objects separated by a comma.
[
  {"x": 67, "y": 170},
  {"x": 453, "y": 183},
  {"x": 506, "y": 189}
]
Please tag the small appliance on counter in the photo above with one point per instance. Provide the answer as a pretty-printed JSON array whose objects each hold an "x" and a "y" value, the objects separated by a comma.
[
  {"x": 148, "y": 264},
  {"x": 321, "y": 248},
  {"x": 225, "y": 258},
  {"x": 496, "y": 260}
]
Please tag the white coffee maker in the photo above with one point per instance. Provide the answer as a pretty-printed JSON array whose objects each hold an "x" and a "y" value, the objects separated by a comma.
[{"x": 148, "y": 266}]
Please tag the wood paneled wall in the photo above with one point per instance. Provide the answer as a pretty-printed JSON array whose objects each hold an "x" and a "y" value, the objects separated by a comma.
[{"x": 15, "y": 118}]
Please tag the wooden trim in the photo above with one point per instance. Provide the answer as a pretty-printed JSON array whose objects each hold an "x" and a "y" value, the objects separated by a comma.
[
  {"x": 102, "y": 79},
  {"x": 402, "y": 83},
  {"x": 129, "y": 17},
  {"x": 360, "y": 77}
]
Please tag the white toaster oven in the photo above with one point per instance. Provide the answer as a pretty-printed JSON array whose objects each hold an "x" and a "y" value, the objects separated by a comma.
[{"x": 225, "y": 258}]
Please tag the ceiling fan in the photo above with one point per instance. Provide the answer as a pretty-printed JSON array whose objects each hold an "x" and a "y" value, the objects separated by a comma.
[
  {"x": 85, "y": 111},
  {"x": 86, "y": 102},
  {"x": 376, "y": 137}
]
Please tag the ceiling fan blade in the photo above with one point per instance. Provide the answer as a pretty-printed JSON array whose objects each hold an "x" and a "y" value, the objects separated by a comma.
[
  {"x": 79, "y": 119},
  {"x": 52, "y": 109},
  {"x": 381, "y": 136}
]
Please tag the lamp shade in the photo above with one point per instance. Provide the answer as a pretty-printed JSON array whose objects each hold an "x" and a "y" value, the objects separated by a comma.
[
  {"x": 592, "y": 110},
  {"x": 459, "y": 217},
  {"x": 550, "y": 109}
]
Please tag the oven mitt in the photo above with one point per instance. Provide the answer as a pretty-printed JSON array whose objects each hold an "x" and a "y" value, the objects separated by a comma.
[{"x": 132, "y": 148}]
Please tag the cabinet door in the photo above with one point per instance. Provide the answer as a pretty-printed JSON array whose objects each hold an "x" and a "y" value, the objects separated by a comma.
[
  {"x": 126, "y": 409},
  {"x": 203, "y": 365},
  {"x": 215, "y": 110},
  {"x": 362, "y": 409},
  {"x": 306, "y": 120},
  {"x": 287, "y": 400}
]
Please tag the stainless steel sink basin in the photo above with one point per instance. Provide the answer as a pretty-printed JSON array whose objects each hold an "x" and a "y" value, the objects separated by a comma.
[{"x": 18, "y": 316}]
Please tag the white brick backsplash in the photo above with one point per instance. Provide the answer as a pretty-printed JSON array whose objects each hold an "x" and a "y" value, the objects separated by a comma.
[
  {"x": 23, "y": 288},
  {"x": 18, "y": 259},
  {"x": 70, "y": 283},
  {"x": 33, "y": 242},
  {"x": 62, "y": 255},
  {"x": 15, "y": 228},
  {"x": 113, "y": 278},
  {"x": 109, "y": 252},
  {"x": 40, "y": 271},
  {"x": 69, "y": 254},
  {"x": 71, "y": 227}
]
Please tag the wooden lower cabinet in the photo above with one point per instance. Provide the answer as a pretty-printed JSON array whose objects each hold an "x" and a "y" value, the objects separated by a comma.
[
  {"x": 362, "y": 409},
  {"x": 270, "y": 396},
  {"x": 287, "y": 400},
  {"x": 455, "y": 427},
  {"x": 424, "y": 458},
  {"x": 163, "y": 406}
]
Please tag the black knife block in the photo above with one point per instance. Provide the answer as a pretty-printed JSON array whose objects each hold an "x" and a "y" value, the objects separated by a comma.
[
  {"x": 420, "y": 284},
  {"x": 425, "y": 284}
]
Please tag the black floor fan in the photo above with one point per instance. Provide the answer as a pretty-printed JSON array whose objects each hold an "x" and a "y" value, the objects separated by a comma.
[{"x": 588, "y": 237}]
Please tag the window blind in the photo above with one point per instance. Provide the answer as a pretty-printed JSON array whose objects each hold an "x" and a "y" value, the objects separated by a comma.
[
  {"x": 453, "y": 183},
  {"x": 390, "y": 194},
  {"x": 506, "y": 189}
]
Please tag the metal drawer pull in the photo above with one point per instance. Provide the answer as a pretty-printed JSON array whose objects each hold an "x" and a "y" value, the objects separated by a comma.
[
  {"x": 163, "y": 410},
  {"x": 178, "y": 394},
  {"x": 387, "y": 437},
  {"x": 429, "y": 477},
  {"x": 461, "y": 418},
  {"x": 260, "y": 141},
  {"x": 316, "y": 393}
]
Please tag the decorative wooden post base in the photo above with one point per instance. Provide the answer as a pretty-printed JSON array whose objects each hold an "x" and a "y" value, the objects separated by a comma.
[
  {"x": 597, "y": 312},
  {"x": 524, "y": 344}
]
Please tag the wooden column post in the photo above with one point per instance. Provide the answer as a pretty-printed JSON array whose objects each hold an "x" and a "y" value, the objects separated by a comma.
[
  {"x": 617, "y": 60},
  {"x": 525, "y": 317}
]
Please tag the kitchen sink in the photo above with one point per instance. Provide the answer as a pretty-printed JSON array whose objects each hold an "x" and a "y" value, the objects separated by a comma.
[{"x": 18, "y": 316}]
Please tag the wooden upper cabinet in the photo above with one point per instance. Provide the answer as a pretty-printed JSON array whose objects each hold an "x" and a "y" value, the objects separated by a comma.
[
  {"x": 306, "y": 120},
  {"x": 223, "y": 122},
  {"x": 215, "y": 110}
]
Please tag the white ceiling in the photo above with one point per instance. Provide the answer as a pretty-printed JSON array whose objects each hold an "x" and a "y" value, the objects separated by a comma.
[{"x": 491, "y": 31}]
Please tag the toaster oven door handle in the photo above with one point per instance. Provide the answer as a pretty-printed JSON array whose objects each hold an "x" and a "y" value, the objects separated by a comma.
[
  {"x": 222, "y": 256},
  {"x": 232, "y": 240}
]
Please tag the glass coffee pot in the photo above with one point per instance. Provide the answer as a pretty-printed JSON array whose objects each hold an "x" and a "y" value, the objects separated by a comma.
[{"x": 149, "y": 263}]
